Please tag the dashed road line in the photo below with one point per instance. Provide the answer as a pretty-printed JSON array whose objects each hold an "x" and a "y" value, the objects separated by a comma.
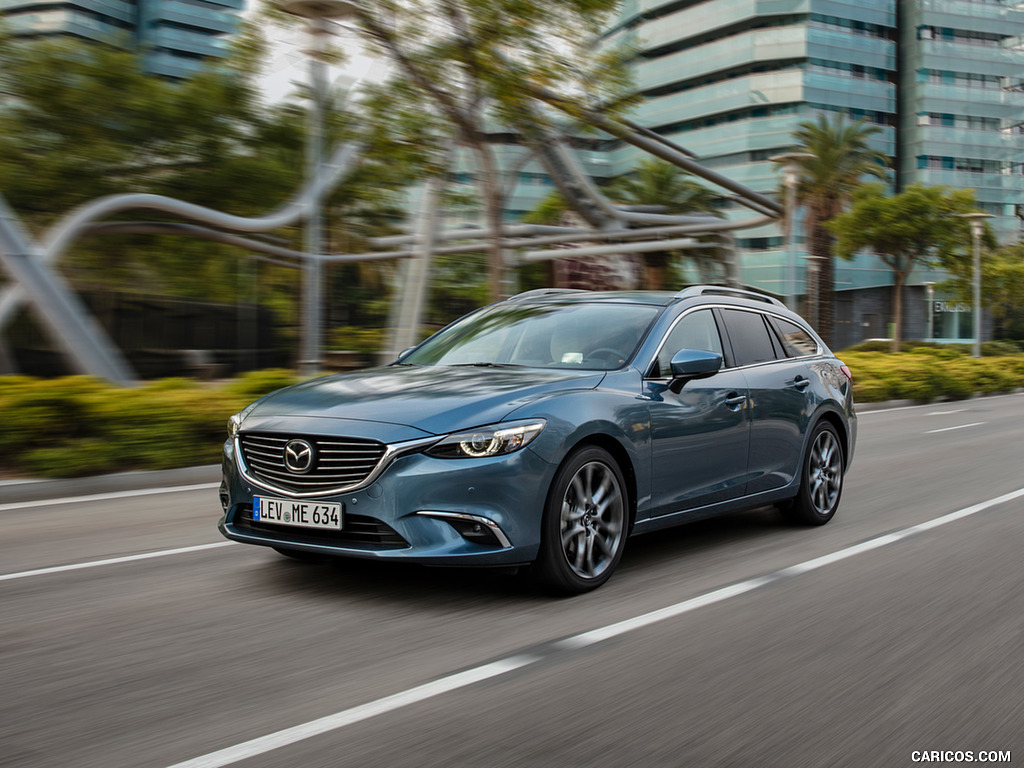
[
  {"x": 276, "y": 740},
  {"x": 959, "y": 426},
  {"x": 105, "y": 496},
  {"x": 112, "y": 561}
]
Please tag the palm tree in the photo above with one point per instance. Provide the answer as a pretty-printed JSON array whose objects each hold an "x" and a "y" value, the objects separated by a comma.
[
  {"x": 656, "y": 182},
  {"x": 837, "y": 158}
]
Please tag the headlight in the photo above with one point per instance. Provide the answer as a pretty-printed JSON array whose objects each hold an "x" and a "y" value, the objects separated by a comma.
[
  {"x": 493, "y": 440},
  {"x": 235, "y": 422}
]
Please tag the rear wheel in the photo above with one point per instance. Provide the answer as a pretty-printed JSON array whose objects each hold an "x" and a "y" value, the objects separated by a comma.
[
  {"x": 821, "y": 485},
  {"x": 585, "y": 523}
]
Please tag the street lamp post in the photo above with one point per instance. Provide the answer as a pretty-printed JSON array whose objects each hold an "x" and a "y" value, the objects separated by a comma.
[
  {"x": 316, "y": 13},
  {"x": 790, "y": 177},
  {"x": 930, "y": 299},
  {"x": 977, "y": 230}
]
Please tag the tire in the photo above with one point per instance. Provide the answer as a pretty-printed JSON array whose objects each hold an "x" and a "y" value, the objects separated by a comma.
[
  {"x": 303, "y": 555},
  {"x": 821, "y": 483},
  {"x": 585, "y": 524}
]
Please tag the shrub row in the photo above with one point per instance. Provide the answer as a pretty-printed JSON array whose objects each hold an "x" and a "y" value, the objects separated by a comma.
[
  {"x": 926, "y": 373},
  {"x": 77, "y": 425}
]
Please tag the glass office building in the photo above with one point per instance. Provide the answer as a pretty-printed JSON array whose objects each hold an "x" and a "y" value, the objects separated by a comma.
[
  {"x": 175, "y": 36},
  {"x": 944, "y": 80}
]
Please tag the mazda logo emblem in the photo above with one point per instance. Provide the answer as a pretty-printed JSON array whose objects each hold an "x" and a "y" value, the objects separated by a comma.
[{"x": 298, "y": 456}]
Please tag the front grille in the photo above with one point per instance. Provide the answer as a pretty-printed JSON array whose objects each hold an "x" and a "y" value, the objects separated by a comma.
[
  {"x": 338, "y": 462},
  {"x": 360, "y": 532}
]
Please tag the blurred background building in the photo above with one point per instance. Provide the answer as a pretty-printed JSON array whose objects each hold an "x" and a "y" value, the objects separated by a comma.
[
  {"x": 731, "y": 79},
  {"x": 175, "y": 36}
]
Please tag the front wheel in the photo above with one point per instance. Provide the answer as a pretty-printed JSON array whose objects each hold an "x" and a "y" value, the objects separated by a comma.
[
  {"x": 821, "y": 484},
  {"x": 585, "y": 523}
]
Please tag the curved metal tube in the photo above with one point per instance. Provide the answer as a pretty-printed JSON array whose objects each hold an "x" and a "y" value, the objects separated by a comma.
[
  {"x": 65, "y": 232},
  {"x": 602, "y": 202},
  {"x": 602, "y": 250},
  {"x": 204, "y": 233},
  {"x": 71, "y": 227}
]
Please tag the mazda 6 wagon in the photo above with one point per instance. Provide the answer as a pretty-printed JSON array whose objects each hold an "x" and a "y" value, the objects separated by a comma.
[{"x": 546, "y": 430}]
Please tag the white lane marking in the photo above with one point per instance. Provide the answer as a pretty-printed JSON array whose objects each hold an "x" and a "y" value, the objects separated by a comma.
[
  {"x": 877, "y": 411},
  {"x": 283, "y": 738},
  {"x": 113, "y": 561},
  {"x": 959, "y": 426},
  {"x": 946, "y": 413},
  {"x": 620, "y": 628},
  {"x": 347, "y": 717},
  {"x": 106, "y": 496}
]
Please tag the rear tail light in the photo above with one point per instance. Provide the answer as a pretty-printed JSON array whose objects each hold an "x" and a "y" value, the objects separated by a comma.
[{"x": 846, "y": 372}]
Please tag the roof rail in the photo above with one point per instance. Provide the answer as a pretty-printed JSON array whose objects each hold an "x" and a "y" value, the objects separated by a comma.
[
  {"x": 537, "y": 292},
  {"x": 721, "y": 290}
]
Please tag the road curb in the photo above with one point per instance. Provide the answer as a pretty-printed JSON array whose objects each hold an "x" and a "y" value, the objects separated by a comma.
[
  {"x": 14, "y": 491},
  {"x": 889, "y": 404}
]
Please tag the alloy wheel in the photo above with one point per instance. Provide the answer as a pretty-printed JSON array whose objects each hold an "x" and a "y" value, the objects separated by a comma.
[
  {"x": 825, "y": 472},
  {"x": 592, "y": 519}
]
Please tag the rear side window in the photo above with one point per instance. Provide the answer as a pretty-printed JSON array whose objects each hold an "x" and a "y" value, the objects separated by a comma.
[
  {"x": 795, "y": 340},
  {"x": 751, "y": 340}
]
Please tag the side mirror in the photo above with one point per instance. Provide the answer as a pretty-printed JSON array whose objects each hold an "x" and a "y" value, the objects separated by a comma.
[{"x": 690, "y": 364}]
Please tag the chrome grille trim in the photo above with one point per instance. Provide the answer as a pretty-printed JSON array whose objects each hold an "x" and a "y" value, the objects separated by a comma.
[{"x": 260, "y": 460}]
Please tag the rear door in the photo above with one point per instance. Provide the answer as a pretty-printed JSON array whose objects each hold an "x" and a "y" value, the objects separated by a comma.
[{"x": 780, "y": 392}]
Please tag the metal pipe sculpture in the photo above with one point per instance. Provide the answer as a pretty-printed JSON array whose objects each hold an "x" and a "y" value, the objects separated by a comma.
[{"x": 608, "y": 224}]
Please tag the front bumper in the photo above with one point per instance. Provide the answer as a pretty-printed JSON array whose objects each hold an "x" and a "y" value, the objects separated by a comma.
[{"x": 419, "y": 509}]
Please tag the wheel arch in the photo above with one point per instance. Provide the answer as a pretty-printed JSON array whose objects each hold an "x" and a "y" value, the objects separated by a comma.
[{"x": 837, "y": 422}]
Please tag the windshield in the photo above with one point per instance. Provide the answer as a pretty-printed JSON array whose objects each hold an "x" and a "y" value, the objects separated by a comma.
[{"x": 600, "y": 336}]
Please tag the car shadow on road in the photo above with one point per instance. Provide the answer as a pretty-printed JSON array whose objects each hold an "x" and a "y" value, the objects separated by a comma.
[{"x": 404, "y": 583}]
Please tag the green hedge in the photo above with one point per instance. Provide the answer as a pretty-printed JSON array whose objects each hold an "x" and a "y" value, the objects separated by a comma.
[
  {"x": 77, "y": 426},
  {"x": 927, "y": 373}
]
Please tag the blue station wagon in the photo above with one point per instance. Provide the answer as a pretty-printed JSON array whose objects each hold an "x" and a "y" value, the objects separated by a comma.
[{"x": 546, "y": 430}]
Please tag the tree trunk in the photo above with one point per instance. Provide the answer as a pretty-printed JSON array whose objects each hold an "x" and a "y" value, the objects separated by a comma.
[
  {"x": 897, "y": 310},
  {"x": 827, "y": 294},
  {"x": 820, "y": 293},
  {"x": 655, "y": 270},
  {"x": 490, "y": 189}
]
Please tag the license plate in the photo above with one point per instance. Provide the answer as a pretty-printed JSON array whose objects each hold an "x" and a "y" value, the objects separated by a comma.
[{"x": 304, "y": 514}]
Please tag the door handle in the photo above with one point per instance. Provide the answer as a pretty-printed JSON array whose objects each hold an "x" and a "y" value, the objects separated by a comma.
[
  {"x": 734, "y": 401},
  {"x": 801, "y": 383}
]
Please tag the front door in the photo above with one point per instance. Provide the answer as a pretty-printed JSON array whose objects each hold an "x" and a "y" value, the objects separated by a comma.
[{"x": 700, "y": 436}]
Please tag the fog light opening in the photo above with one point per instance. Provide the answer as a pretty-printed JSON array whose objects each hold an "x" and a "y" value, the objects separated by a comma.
[
  {"x": 473, "y": 528},
  {"x": 225, "y": 499}
]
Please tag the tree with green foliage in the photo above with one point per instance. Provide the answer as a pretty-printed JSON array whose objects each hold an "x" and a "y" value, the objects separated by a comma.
[
  {"x": 838, "y": 159},
  {"x": 476, "y": 65},
  {"x": 918, "y": 227},
  {"x": 656, "y": 182},
  {"x": 1002, "y": 283},
  {"x": 80, "y": 120}
]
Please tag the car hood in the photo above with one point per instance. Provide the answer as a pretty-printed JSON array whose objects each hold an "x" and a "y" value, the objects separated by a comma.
[{"x": 433, "y": 399}]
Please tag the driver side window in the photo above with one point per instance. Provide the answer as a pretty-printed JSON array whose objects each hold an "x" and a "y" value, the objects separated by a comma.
[{"x": 697, "y": 330}]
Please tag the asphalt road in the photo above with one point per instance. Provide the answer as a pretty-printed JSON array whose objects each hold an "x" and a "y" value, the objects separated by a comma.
[{"x": 876, "y": 648}]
